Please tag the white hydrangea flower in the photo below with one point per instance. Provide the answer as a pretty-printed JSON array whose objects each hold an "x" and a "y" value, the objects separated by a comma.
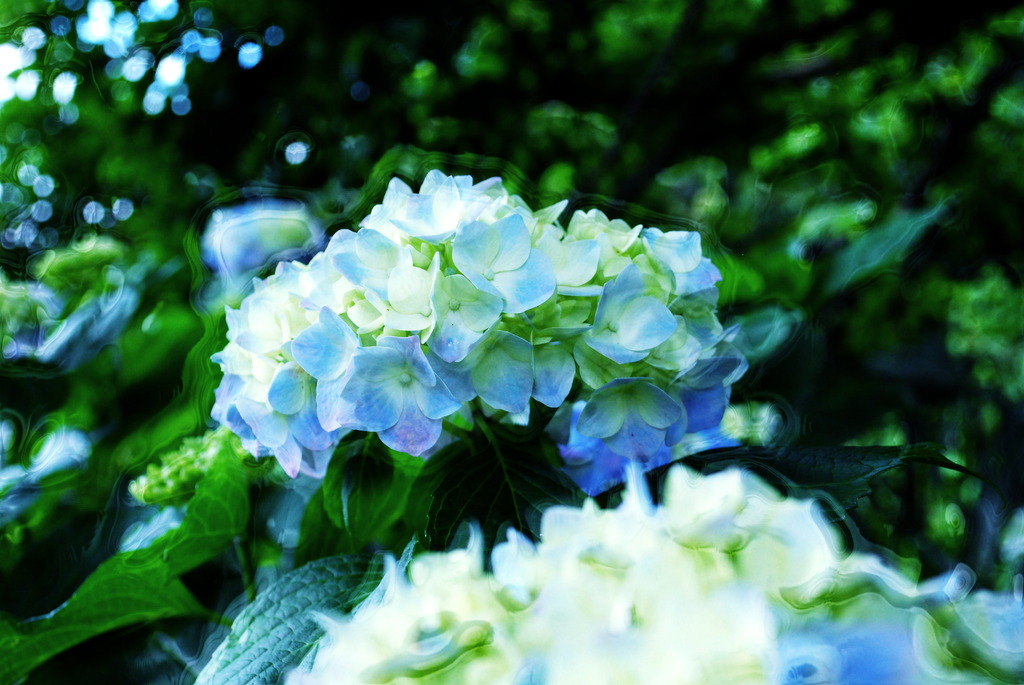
[
  {"x": 443, "y": 205},
  {"x": 267, "y": 398},
  {"x": 682, "y": 593}
]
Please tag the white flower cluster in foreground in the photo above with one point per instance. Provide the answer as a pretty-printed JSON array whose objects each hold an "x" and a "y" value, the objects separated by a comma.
[
  {"x": 461, "y": 292},
  {"x": 725, "y": 582}
]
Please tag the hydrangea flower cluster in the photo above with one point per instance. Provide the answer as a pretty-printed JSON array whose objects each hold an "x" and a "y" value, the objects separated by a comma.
[
  {"x": 37, "y": 322},
  {"x": 725, "y": 582},
  {"x": 460, "y": 293}
]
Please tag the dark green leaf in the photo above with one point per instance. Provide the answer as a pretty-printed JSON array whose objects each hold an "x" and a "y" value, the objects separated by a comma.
[
  {"x": 318, "y": 536},
  {"x": 120, "y": 592},
  {"x": 275, "y": 632},
  {"x": 364, "y": 494},
  {"x": 841, "y": 472},
  {"x": 883, "y": 247},
  {"x": 491, "y": 487}
]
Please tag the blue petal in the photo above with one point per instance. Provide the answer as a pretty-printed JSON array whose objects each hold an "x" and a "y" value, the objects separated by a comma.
[
  {"x": 554, "y": 371},
  {"x": 325, "y": 349},
  {"x": 452, "y": 339},
  {"x": 290, "y": 389},
  {"x": 503, "y": 374},
  {"x": 603, "y": 416},
  {"x": 679, "y": 250},
  {"x": 654, "y": 406},
  {"x": 374, "y": 406},
  {"x": 230, "y": 386},
  {"x": 435, "y": 402},
  {"x": 413, "y": 433},
  {"x": 475, "y": 248},
  {"x": 603, "y": 471},
  {"x": 308, "y": 431},
  {"x": 608, "y": 345},
  {"x": 332, "y": 410},
  {"x": 705, "y": 407},
  {"x": 636, "y": 439},
  {"x": 528, "y": 286},
  {"x": 456, "y": 377},
  {"x": 354, "y": 254},
  {"x": 703, "y": 277},
  {"x": 269, "y": 427},
  {"x": 645, "y": 324},
  {"x": 712, "y": 371},
  {"x": 289, "y": 456},
  {"x": 515, "y": 243}
]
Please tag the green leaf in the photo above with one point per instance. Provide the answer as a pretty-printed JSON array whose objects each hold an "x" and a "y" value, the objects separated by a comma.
[
  {"x": 493, "y": 484},
  {"x": 275, "y": 632},
  {"x": 883, "y": 247},
  {"x": 217, "y": 513},
  {"x": 138, "y": 586},
  {"x": 318, "y": 536},
  {"x": 842, "y": 472},
  {"x": 366, "y": 489},
  {"x": 118, "y": 593}
]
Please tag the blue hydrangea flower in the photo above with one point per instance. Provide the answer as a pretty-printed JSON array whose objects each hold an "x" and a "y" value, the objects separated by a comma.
[
  {"x": 366, "y": 258},
  {"x": 394, "y": 392},
  {"x": 677, "y": 250},
  {"x": 498, "y": 258},
  {"x": 632, "y": 416},
  {"x": 502, "y": 306},
  {"x": 628, "y": 323},
  {"x": 499, "y": 370},
  {"x": 876, "y": 652},
  {"x": 464, "y": 314},
  {"x": 284, "y": 425},
  {"x": 589, "y": 462},
  {"x": 325, "y": 351},
  {"x": 241, "y": 240}
]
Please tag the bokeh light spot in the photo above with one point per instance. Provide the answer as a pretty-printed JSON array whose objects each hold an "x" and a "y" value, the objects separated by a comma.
[
  {"x": 33, "y": 38},
  {"x": 209, "y": 49},
  {"x": 181, "y": 105},
  {"x": 27, "y": 173},
  {"x": 296, "y": 152},
  {"x": 93, "y": 212},
  {"x": 42, "y": 210},
  {"x": 43, "y": 185},
  {"x": 203, "y": 17},
  {"x": 249, "y": 55},
  {"x": 154, "y": 101},
  {"x": 360, "y": 91},
  {"x": 171, "y": 70},
  {"x": 60, "y": 25},
  {"x": 122, "y": 208},
  {"x": 136, "y": 66},
  {"x": 64, "y": 87},
  {"x": 274, "y": 35}
]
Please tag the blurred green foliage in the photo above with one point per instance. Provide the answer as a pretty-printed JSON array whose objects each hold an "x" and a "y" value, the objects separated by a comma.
[{"x": 855, "y": 170}]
